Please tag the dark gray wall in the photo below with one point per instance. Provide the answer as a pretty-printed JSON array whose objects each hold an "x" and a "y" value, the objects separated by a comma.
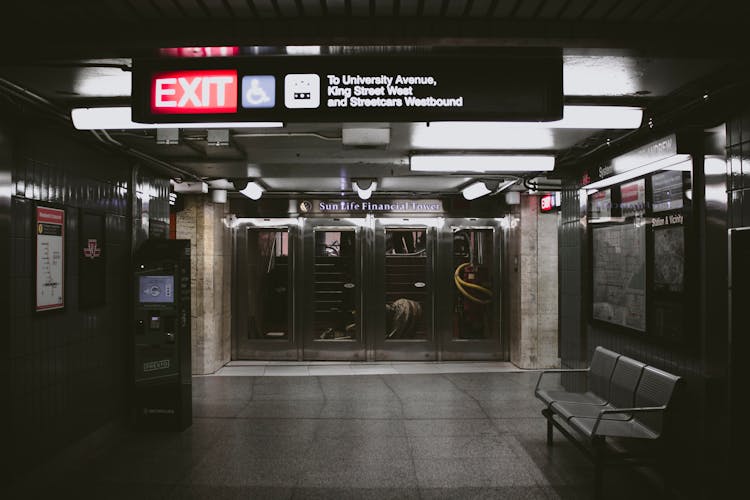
[
  {"x": 699, "y": 439},
  {"x": 6, "y": 163},
  {"x": 738, "y": 152},
  {"x": 67, "y": 371}
]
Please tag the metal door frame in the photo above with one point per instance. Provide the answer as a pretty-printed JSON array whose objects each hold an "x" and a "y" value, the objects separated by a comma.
[
  {"x": 320, "y": 349},
  {"x": 264, "y": 349},
  {"x": 401, "y": 350},
  {"x": 496, "y": 346}
]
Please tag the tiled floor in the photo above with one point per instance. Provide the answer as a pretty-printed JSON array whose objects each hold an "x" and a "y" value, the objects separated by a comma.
[{"x": 395, "y": 436}]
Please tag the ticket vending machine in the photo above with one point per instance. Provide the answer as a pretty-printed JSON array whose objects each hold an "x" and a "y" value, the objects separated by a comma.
[{"x": 162, "y": 389}]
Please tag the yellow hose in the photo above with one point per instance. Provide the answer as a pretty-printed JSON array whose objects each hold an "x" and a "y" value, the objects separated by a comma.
[{"x": 461, "y": 283}]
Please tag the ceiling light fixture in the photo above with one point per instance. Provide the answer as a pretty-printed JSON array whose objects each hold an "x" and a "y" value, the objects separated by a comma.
[
  {"x": 364, "y": 187},
  {"x": 482, "y": 163},
  {"x": 253, "y": 190},
  {"x": 476, "y": 190},
  {"x": 485, "y": 187},
  {"x": 119, "y": 118}
]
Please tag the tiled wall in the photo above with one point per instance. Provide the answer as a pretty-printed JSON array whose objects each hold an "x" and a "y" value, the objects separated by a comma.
[
  {"x": 67, "y": 369},
  {"x": 738, "y": 153},
  {"x": 738, "y": 150}
]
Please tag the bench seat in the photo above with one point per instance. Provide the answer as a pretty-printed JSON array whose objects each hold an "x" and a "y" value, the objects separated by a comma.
[
  {"x": 597, "y": 380},
  {"x": 631, "y": 429},
  {"x": 632, "y": 414}
]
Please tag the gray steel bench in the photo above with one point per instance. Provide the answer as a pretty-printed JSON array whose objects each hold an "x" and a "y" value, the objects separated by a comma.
[
  {"x": 624, "y": 430},
  {"x": 597, "y": 376}
]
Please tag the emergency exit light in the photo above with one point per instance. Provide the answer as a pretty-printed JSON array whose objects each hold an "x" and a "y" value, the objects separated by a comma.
[
  {"x": 188, "y": 92},
  {"x": 549, "y": 202}
]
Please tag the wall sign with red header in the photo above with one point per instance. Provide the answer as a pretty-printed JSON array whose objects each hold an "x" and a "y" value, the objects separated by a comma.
[
  {"x": 50, "y": 258},
  {"x": 517, "y": 85}
]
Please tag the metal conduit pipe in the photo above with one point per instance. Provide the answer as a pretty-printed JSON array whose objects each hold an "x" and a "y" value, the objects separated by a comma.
[{"x": 102, "y": 135}]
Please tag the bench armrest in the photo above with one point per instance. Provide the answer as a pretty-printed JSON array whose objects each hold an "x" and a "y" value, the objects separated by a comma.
[
  {"x": 559, "y": 370},
  {"x": 641, "y": 409}
]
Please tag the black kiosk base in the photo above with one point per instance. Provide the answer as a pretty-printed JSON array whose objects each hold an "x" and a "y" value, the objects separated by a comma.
[{"x": 162, "y": 391}]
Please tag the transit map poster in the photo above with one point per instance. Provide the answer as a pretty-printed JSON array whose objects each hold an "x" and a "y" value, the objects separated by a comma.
[
  {"x": 619, "y": 275},
  {"x": 50, "y": 258}
]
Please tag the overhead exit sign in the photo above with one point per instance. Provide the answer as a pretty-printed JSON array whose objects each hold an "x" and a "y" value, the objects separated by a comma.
[
  {"x": 514, "y": 85},
  {"x": 187, "y": 92}
]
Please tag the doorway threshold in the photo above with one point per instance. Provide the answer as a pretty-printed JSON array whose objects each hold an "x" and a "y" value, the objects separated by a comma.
[{"x": 316, "y": 368}]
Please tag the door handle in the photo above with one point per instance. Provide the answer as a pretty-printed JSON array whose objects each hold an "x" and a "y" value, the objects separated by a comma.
[{"x": 420, "y": 284}]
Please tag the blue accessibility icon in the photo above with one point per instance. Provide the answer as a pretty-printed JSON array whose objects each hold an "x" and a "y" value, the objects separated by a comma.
[{"x": 258, "y": 91}]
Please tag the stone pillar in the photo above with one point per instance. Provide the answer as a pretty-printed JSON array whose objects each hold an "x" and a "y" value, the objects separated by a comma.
[
  {"x": 534, "y": 335},
  {"x": 200, "y": 222}
]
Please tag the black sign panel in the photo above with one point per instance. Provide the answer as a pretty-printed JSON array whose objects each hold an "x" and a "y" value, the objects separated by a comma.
[
  {"x": 92, "y": 269},
  {"x": 510, "y": 86}
]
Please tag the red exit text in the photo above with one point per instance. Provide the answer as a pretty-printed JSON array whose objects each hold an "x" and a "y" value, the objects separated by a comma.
[{"x": 188, "y": 92}]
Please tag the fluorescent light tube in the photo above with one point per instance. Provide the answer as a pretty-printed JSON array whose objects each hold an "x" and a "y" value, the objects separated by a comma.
[
  {"x": 119, "y": 118},
  {"x": 607, "y": 117},
  {"x": 476, "y": 190},
  {"x": 482, "y": 163}
]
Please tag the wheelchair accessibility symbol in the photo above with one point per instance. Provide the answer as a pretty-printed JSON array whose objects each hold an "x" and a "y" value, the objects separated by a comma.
[{"x": 258, "y": 91}]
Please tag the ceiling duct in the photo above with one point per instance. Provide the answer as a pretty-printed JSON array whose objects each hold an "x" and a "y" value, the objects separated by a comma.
[{"x": 365, "y": 137}]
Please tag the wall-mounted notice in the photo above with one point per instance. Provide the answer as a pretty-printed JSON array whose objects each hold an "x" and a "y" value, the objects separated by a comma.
[
  {"x": 619, "y": 275},
  {"x": 50, "y": 258},
  {"x": 633, "y": 198},
  {"x": 669, "y": 259},
  {"x": 666, "y": 189},
  {"x": 601, "y": 204}
]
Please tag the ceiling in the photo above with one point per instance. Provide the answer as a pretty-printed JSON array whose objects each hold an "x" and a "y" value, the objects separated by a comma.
[{"x": 659, "y": 55}]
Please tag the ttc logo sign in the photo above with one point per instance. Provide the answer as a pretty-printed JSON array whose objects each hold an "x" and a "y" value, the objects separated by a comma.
[{"x": 92, "y": 251}]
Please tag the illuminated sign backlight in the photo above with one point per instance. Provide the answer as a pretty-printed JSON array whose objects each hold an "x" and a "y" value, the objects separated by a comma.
[
  {"x": 200, "y": 51},
  {"x": 190, "y": 92},
  {"x": 549, "y": 202},
  {"x": 517, "y": 85}
]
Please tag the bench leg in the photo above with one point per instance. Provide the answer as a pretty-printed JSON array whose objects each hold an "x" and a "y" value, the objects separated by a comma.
[
  {"x": 598, "y": 468},
  {"x": 549, "y": 432},
  {"x": 548, "y": 415}
]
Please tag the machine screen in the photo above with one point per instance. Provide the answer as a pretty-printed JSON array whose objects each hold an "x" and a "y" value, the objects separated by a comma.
[{"x": 156, "y": 289}]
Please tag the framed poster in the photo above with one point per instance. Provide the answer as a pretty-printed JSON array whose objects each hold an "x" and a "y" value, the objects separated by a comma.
[
  {"x": 50, "y": 258},
  {"x": 91, "y": 260},
  {"x": 667, "y": 190},
  {"x": 619, "y": 275},
  {"x": 633, "y": 198},
  {"x": 601, "y": 204}
]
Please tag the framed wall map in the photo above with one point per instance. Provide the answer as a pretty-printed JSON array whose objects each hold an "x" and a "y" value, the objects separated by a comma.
[{"x": 49, "y": 258}]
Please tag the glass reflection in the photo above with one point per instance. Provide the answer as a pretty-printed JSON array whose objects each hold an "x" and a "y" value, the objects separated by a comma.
[
  {"x": 406, "y": 290},
  {"x": 473, "y": 251},
  {"x": 335, "y": 283},
  {"x": 268, "y": 284}
]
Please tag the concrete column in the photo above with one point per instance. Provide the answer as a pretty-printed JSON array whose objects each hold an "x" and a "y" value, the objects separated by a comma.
[
  {"x": 534, "y": 335},
  {"x": 200, "y": 222}
]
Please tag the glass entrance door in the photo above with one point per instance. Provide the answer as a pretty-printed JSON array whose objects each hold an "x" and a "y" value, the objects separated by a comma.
[
  {"x": 469, "y": 313},
  {"x": 401, "y": 317},
  {"x": 333, "y": 289},
  {"x": 263, "y": 319}
]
